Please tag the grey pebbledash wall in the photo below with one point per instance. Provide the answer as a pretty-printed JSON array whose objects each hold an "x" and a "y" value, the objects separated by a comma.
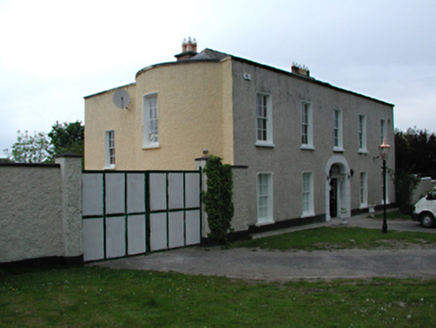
[{"x": 40, "y": 210}]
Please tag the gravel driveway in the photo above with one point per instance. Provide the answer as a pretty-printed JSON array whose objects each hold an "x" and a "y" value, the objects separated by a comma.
[{"x": 284, "y": 266}]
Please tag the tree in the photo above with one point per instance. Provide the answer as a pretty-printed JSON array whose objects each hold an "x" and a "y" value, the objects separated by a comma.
[
  {"x": 415, "y": 155},
  {"x": 67, "y": 138},
  {"x": 42, "y": 148},
  {"x": 30, "y": 148},
  {"x": 415, "y": 152}
]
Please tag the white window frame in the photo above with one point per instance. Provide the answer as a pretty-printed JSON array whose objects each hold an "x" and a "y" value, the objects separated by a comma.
[
  {"x": 109, "y": 149},
  {"x": 362, "y": 134},
  {"x": 337, "y": 130},
  {"x": 307, "y": 195},
  {"x": 150, "y": 127},
  {"x": 306, "y": 125},
  {"x": 264, "y": 198},
  {"x": 264, "y": 127},
  {"x": 363, "y": 190},
  {"x": 383, "y": 130}
]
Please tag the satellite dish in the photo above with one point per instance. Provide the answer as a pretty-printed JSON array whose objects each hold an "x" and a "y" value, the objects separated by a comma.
[{"x": 121, "y": 98}]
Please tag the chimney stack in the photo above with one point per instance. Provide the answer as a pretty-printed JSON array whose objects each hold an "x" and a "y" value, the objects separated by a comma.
[
  {"x": 189, "y": 50},
  {"x": 300, "y": 69}
]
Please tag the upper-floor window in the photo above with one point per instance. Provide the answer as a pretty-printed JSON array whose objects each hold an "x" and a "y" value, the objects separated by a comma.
[
  {"x": 263, "y": 120},
  {"x": 306, "y": 125},
  {"x": 382, "y": 131},
  {"x": 362, "y": 133},
  {"x": 150, "y": 121},
  {"x": 109, "y": 149},
  {"x": 307, "y": 194},
  {"x": 337, "y": 130}
]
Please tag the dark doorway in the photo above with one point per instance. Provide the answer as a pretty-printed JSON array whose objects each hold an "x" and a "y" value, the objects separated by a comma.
[{"x": 333, "y": 198}]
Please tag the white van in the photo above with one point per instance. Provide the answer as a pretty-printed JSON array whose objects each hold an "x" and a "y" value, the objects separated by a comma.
[{"x": 425, "y": 210}]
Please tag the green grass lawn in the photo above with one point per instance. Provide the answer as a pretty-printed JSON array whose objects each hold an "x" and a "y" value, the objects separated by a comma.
[
  {"x": 82, "y": 296},
  {"x": 326, "y": 238},
  {"x": 101, "y": 297}
]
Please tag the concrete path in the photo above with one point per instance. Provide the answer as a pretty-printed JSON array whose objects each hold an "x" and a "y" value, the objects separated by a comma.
[{"x": 284, "y": 266}]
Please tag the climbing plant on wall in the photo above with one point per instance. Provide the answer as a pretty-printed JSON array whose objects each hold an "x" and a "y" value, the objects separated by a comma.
[{"x": 218, "y": 199}]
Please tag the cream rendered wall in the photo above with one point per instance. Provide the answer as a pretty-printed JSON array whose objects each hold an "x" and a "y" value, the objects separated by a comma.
[
  {"x": 194, "y": 113},
  {"x": 101, "y": 115},
  {"x": 190, "y": 110},
  {"x": 227, "y": 126}
]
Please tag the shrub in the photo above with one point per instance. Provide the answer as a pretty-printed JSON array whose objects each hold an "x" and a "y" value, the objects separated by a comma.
[{"x": 218, "y": 199}]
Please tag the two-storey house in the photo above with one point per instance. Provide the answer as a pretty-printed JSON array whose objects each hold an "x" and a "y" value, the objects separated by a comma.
[{"x": 310, "y": 149}]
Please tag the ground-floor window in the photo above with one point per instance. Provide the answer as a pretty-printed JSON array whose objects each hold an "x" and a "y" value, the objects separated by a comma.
[
  {"x": 363, "y": 190},
  {"x": 307, "y": 194},
  {"x": 264, "y": 199},
  {"x": 109, "y": 160}
]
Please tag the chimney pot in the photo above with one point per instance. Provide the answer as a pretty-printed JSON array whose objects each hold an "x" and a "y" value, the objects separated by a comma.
[
  {"x": 194, "y": 45},
  {"x": 184, "y": 46},
  {"x": 189, "y": 49}
]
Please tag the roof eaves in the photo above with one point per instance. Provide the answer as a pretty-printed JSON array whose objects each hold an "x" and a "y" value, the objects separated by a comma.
[
  {"x": 308, "y": 79},
  {"x": 109, "y": 90},
  {"x": 184, "y": 62}
]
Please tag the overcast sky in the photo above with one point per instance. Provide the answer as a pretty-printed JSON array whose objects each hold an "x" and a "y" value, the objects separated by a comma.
[{"x": 53, "y": 53}]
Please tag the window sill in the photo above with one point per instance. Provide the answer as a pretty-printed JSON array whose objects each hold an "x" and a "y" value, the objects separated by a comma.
[
  {"x": 307, "y": 215},
  {"x": 363, "y": 206},
  {"x": 307, "y": 147},
  {"x": 363, "y": 152},
  {"x": 153, "y": 146},
  {"x": 264, "y": 144},
  {"x": 264, "y": 222},
  {"x": 111, "y": 167},
  {"x": 338, "y": 150}
]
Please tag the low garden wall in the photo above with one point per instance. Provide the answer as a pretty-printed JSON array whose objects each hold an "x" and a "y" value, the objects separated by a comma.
[{"x": 40, "y": 210}]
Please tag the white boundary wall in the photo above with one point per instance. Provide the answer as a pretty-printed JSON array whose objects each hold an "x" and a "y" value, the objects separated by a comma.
[
  {"x": 426, "y": 184},
  {"x": 40, "y": 210}
]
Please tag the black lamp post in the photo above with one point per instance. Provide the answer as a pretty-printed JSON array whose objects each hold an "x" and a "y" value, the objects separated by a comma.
[{"x": 384, "y": 153}]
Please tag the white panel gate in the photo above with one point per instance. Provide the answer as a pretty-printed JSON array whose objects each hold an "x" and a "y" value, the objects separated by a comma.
[{"x": 130, "y": 212}]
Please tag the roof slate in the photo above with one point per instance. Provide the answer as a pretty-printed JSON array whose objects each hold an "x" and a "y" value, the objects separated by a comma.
[{"x": 209, "y": 54}]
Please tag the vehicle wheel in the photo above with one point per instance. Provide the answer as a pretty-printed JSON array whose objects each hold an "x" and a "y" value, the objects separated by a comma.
[{"x": 427, "y": 220}]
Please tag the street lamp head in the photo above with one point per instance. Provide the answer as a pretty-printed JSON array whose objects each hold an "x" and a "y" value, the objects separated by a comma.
[{"x": 384, "y": 150}]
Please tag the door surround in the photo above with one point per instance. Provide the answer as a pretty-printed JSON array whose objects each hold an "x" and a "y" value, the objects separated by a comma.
[{"x": 341, "y": 172}]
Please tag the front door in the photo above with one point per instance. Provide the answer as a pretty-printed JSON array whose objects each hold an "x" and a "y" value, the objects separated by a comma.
[{"x": 333, "y": 198}]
